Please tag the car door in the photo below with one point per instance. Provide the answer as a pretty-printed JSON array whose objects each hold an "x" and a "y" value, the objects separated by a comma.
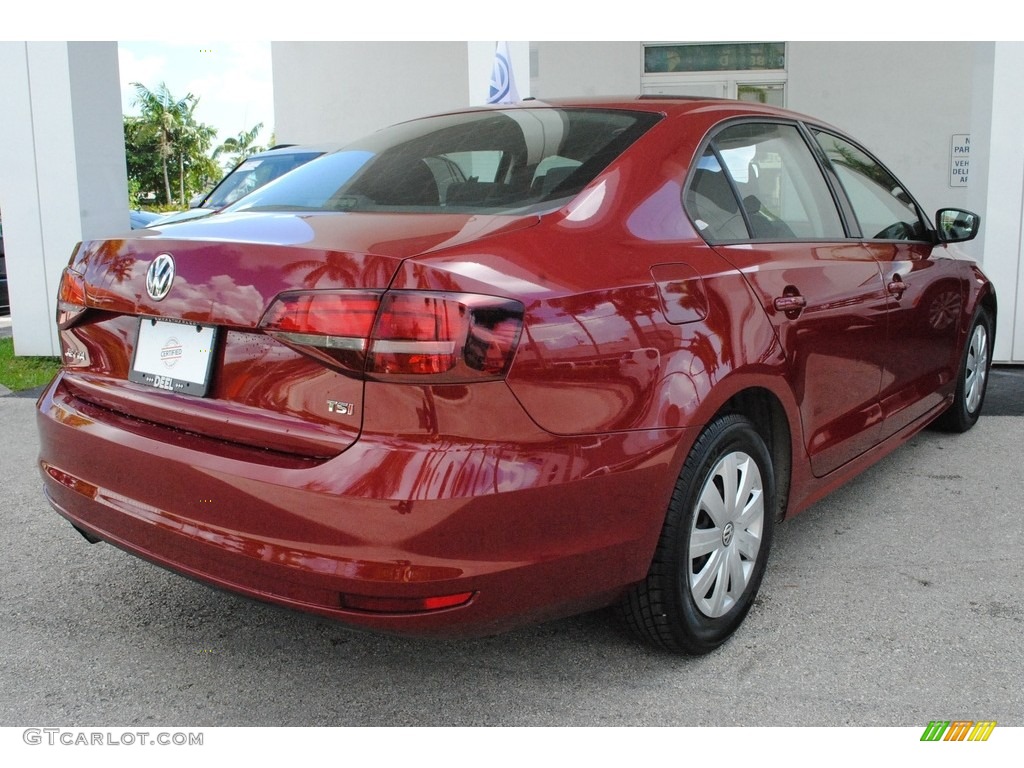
[
  {"x": 760, "y": 198},
  {"x": 924, "y": 290}
]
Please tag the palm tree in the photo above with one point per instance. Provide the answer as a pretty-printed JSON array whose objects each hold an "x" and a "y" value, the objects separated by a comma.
[
  {"x": 162, "y": 116},
  {"x": 241, "y": 146},
  {"x": 194, "y": 140}
]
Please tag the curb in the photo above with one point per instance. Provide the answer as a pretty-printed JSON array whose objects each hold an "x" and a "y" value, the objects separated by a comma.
[{"x": 26, "y": 394}]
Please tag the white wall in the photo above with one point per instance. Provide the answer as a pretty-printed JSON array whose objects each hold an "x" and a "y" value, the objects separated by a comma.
[
  {"x": 588, "y": 69},
  {"x": 877, "y": 91},
  {"x": 337, "y": 92},
  {"x": 903, "y": 101},
  {"x": 326, "y": 92},
  {"x": 62, "y": 171},
  {"x": 997, "y": 184}
]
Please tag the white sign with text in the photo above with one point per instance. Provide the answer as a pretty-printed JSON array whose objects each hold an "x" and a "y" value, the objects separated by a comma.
[{"x": 959, "y": 159}]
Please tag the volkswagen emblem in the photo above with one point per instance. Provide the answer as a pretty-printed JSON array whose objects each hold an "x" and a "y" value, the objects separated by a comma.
[
  {"x": 159, "y": 276},
  {"x": 727, "y": 533}
]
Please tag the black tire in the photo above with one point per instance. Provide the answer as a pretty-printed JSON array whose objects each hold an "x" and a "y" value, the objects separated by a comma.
[
  {"x": 694, "y": 612},
  {"x": 972, "y": 380}
]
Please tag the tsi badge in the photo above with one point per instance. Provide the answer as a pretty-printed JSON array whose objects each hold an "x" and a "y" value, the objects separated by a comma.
[{"x": 342, "y": 409}]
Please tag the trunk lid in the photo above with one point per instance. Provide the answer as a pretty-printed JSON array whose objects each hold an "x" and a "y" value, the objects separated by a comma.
[{"x": 228, "y": 269}]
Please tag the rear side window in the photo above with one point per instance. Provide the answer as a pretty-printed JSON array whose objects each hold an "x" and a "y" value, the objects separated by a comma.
[
  {"x": 760, "y": 181},
  {"x": 883, "y": 209},
  {"x": 495, "y": 161}
]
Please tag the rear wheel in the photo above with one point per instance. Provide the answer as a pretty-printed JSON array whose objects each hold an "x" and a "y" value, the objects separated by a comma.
[
  {"x": 714, "y": 545},
  {"x": 973, "y": 377}
]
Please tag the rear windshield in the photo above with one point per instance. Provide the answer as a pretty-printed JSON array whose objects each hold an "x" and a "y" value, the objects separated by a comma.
[{"x": 484, "y": 162}]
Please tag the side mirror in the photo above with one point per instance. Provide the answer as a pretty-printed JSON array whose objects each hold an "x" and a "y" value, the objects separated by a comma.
[
  {"x": 955, "y": 225},
  {"x": 196, "y": 201}
]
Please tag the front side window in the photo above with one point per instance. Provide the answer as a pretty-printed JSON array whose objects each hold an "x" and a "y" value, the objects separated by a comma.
[
  {"x": 759, "y": 181},
  {"x": 883, "y": 209},
  {"x": 495, "y": 161}
]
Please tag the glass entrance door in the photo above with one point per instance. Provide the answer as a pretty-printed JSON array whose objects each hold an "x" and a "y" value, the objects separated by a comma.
[{"x": 773, "y": 94}]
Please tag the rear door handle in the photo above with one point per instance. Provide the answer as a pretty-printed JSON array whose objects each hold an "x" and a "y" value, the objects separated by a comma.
[
  {"x": 790, "y": 303},
  {"x": 896, "y": 287}
]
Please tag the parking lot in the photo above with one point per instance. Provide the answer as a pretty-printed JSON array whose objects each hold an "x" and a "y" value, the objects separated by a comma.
[{"x": 895, "y": 601}]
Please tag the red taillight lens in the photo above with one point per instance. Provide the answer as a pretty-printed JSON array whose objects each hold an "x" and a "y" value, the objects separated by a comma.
[
  {"x": 70, "y": 298},
  {"x": 402, "y": 335},
  {"x": 416, "y": 334},
  {"x": 333, "y": 326},
  {"x": 341, "y": 315}
]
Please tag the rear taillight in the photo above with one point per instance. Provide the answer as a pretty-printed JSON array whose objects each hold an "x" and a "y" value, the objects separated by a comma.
[
  {"x": 70, "y": 298},
  {"x": 333, "y": 327},
  {"x": 401, "y": 335}
]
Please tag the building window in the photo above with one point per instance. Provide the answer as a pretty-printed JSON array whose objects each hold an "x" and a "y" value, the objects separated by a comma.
[
  {"x": 746, "y": 71},
  {"x": 714, "y": 57}
]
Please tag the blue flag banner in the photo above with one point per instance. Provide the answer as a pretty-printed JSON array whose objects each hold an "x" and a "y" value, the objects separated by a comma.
[{"x": 503, "y": 84}]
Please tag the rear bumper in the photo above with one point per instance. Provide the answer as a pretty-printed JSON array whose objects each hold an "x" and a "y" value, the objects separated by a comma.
[{"x": 528, "y": 530}]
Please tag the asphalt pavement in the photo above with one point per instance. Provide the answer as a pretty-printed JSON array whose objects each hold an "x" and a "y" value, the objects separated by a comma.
[{"x": 897, "y": 600}]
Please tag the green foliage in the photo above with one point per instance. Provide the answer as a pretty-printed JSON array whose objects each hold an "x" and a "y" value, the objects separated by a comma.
[
  {"x": 167, "y": 150},
  {"x": 239, "y": 147},
  {"x": 17, "y": 373},
  {"x": 134, "y": 191}
]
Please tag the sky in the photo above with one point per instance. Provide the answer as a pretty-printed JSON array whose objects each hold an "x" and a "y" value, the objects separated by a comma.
[{"x": 231, "y": 78}]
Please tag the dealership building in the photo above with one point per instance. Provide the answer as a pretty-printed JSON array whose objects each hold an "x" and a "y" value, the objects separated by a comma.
[{"x": 944, "y": 116}]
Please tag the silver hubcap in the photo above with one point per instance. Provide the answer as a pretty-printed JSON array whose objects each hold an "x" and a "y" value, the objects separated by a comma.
[
  {"x": 726, "y": 534},
  {"x": 977, "y": 368}
]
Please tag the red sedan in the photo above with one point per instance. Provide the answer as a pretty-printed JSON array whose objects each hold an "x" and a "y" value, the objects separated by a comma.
[{"x": 512, "y": 363}]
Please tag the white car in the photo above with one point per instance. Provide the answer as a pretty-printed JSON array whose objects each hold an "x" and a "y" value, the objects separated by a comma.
[{"x": 249, "y": 175}]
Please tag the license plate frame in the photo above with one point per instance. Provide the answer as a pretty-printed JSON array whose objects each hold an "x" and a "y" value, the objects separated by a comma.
[{"x": 174, "y": 355}]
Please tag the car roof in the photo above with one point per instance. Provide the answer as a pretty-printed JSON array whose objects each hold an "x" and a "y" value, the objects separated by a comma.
[{"x": 668, "y": 105}]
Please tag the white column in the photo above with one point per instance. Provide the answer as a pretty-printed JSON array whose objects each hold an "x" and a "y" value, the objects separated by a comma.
[
  {"x": 62, "y": 171},
  {"x": 997, "y": 184}
]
